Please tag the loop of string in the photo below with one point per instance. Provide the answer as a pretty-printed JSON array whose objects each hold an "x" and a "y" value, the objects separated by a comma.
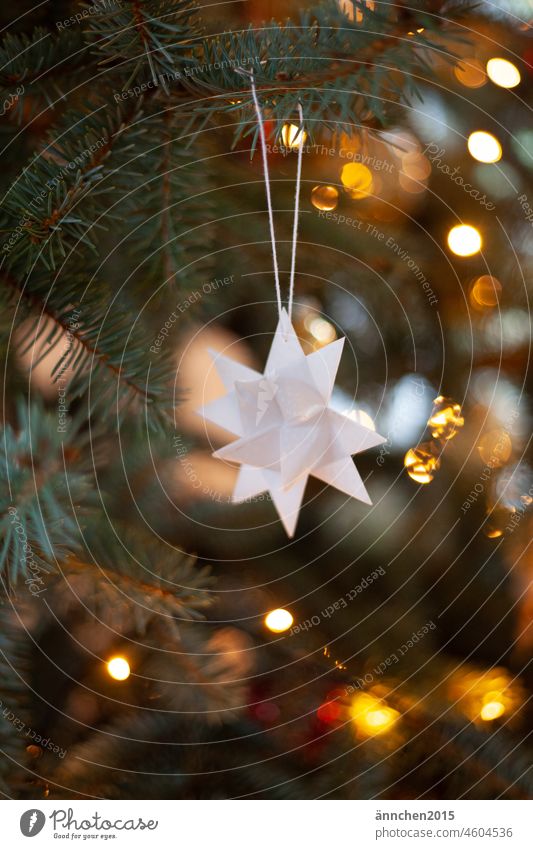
[{"x": 300, "y": 140}]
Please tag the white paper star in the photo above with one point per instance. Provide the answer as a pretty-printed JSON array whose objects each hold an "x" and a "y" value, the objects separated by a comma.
[{"x": 285, "y": 427}]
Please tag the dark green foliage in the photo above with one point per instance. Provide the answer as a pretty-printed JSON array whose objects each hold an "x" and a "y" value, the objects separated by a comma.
[
  {"x": 44, "y": 477},
  {"x": 39, "y": 69},
  {"x": 144, "y": 40}
]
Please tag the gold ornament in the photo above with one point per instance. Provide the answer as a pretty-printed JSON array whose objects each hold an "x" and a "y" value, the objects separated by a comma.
[
  {"x": 325, "y": 197},
  {"x": 445, "y": 419},
  {"x": 422, "y": 462}
]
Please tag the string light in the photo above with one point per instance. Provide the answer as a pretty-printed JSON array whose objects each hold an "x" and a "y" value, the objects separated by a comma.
[
  {"x": 503, "y": 73},
  {"x": 485, "y": 291},
  {"x": 357, "y": 180},
  {"x": 279, "y": 620},
  {"x": 292, "y": 137},
  {"x": 325, "y": 197},
  {"x": 492, "y": 710},
  {"x": 372, "y": 715},
  {"x": 445, "y": 419},
  {"x": 118, "y": 668},
  {"x": 464, "y": 240},
  {"x": 421, "y": 463},
  {"x": 484, "y": 147},
  {"x": 322, "y": 331},
  {"x": 470, "y": 73},
  {"x": 486, "y": 696}
]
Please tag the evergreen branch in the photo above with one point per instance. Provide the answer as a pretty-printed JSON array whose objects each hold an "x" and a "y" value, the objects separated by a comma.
[
  {"x": 51, "y": 208},
  {"x": 43, "y": 472},
  {"x": 340, "y": 72},
  {"x": 15, "y": 670},
  {"x": 137, "y": 578},
  {"x": 153, "y": 37},
  {"x": 166, "y": 203},
  {"x": 98, "y": 352},
  {"x": 41, "y": 63}
]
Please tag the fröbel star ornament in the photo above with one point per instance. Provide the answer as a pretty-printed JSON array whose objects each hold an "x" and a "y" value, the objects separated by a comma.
[{"x": 285, "y": 427}]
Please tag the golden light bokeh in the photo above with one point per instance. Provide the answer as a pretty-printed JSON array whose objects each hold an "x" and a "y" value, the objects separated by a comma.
[
  {"x": 492, "y": 710},
  {"x": 496, "y": 521},
  {"x": 485, "y": 292},
  {"x": 503, "y": 73},
  {"x": 279, "y": 620},
  {"x": 495, "y": 447},
  {"x": 292, "y": 137},
  {"x": 353, "y": 12},
  {"x": 464, "y": 240},
  {"x": 322, "y": 331},
  {"x": 486, "y": 696},
  {"x": 470, "y": 73},
  {"x": 325, "y": 197},
  {"x": 372, "y": 715},
  {"x": 421, "y": 463},
  {"x": 446, "y": 418},
  {"x": 484, "y": 147},
  {"x": 357, "y": 180},
  {"x": 118, "y": 668}
]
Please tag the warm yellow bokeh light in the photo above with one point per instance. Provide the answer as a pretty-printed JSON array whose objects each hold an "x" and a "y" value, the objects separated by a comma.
[
  {"x": 372, "y": 715},
  {"x": 321, "y": 330},
  {"x": 503, "y": 73},
  {"x": 492, "y": 710},
  {"x": 485, "y": 291},
  {"x": 464, "y": 240},
  {"x": 357, "y": 180},
  {"x": 279, "y": 620},
  {"x": 470, "y": 73},
  {"x": 495, "y": 448},
  {"x": 421, "y": 463},
  {"x": 118, "y": 668},
  {"x": 325, "y": 197},
  {"x": 292, "y": 136},
  {"x": 484, "y": 146},
  {"x": 446, "y": 418}
]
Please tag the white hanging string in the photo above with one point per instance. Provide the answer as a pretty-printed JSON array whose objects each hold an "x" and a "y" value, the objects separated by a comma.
[
  {"x": 262, "y": 139},
  {"x": 300, "y": 136}
]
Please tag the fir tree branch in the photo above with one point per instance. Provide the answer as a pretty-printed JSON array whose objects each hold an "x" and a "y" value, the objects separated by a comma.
[{"x": 43, "y": 472}]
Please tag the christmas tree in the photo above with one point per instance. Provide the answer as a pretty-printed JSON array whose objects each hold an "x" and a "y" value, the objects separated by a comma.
[{"x": 158, "y": 640}]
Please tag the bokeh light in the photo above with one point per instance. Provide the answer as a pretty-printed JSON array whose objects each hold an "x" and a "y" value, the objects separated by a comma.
[
  {"x": 503, "y": 73},
  {"x": 484, "y": 146},
  {"x": 485, "y": 291},
  {"x": 495, "y": 447},
  {"x": 372, "y": 715},
  {"x": 422, "y": 462},
  {"x": 470, "y": 73},
  {"x": 446, "y": 418},
  {"x": 325, "y": 197},
  {"x": 357, "y": 180},
  {"x": 464, "y": 240},
  {"x": 292, "y": 136},
  {"x": 279, "y": 620},
  {"x": 118, "y": 668}
]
